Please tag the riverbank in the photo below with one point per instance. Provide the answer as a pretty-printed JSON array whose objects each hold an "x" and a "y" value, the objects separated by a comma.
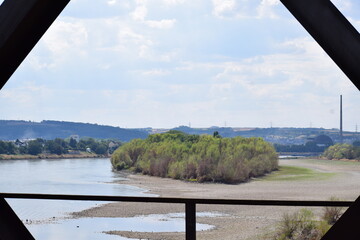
[
  {"x": 50, "y": 156},
  {"x": 237, "y": 222}
]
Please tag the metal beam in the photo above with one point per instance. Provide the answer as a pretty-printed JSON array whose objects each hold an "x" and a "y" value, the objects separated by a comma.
[
  {"x": 11, "y": 227},
  {"x": 347, "y": 227},
  {"x": 332, "y": 31},
  {"x": 22, "y": 24},
  {"x": 190, "y": 220}
]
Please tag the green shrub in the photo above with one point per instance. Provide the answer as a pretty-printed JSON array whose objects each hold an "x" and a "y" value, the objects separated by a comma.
[
  {"x": 341, "y": 151},
  {"x": 301, "y": 225},
  {"x": 204, "y": 158},
  {"x": 332, "y": 214}
]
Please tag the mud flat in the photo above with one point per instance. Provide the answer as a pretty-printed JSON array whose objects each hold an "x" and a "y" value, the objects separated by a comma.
[{"x": 305, "y": 179}]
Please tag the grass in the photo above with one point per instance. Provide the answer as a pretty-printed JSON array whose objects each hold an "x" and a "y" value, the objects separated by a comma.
[
  {"x": 291, "y": 173},
  {"x": 334, "y": 162}
]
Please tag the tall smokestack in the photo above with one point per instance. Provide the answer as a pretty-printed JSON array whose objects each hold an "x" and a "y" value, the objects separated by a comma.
[{"x": 341, "y": 124}]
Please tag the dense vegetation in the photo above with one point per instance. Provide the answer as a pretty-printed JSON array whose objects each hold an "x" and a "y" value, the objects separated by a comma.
[
  {"x": 58, "y": 146},
  {"x": 343, "y": 151},
  {"x": 203, "y": 158}
]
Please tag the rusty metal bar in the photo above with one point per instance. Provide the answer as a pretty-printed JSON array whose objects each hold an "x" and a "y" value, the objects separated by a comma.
[{"x": 332, "y": 31}]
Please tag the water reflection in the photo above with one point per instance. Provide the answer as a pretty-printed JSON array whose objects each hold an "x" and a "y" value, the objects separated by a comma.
[{"x": 93, "y": 228}]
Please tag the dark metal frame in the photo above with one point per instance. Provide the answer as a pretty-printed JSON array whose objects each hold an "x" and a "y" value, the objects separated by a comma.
[
  {"x": 332, "y": 31},
  {"x": 23, "y": 22},
  {"x": 190, "y": 205}
]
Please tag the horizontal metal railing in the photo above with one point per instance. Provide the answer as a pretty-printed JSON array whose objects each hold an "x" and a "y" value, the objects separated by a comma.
[{"x": 190, "y": 203}]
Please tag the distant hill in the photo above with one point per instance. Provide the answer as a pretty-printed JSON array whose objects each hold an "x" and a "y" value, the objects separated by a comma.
[
  {"x": 12, "y": 130},
  {"x": 286, "y": 135}
]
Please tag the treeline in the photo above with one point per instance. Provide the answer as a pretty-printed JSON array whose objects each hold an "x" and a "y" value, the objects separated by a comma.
[
  {"x": 300, "y": 148},
  {"x": 58, "y": 146},
  {"x": 202, "y": 158},
  {"x": 343, "y": 151}
]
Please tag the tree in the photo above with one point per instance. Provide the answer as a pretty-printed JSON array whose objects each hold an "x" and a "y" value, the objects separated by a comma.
[
  {"x": 55, "y": 147},
  {"x": 34, "y": 147},
  {"x": 216, "y": 134},
  {"x": 73, "y": 143}
]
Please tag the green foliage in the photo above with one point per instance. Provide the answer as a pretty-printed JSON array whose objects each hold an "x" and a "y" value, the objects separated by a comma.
[
  {"x": 332, "y": 214},
  {"x": 58, "y": 146},
  {"x": 301, "y": 225},
  {"x": 202, "y": 158},
  {"x": 72, "y": 143},
  {"x": 35, "y": 147},
  {"x": 7, "y": 148},
  {"x": 342, "y": 151}
]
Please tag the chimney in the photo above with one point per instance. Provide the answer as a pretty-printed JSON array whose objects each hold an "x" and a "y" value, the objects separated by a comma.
[{"x": 341, "y": 124}]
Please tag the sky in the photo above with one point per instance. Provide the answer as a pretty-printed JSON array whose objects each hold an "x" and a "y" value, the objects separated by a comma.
[{"x": 166, "y": 63}]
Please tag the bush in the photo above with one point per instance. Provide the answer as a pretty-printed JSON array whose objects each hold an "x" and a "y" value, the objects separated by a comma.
[
  {"x": 301, "y": 226},
  {"x": 204, "y": 158},
  {"x": 332, "y": 214},
  {"x": 342, "y": 151}
]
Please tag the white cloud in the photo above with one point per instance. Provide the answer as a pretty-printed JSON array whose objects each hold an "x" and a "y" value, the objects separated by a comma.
[
  {"x": 162, "y": 24},
  {"x": 223, "y": 7},
  {"x": 156, "y": 72},
  {"x": 64, "y": 39},
  {"x": 139, "y": 13},
  {"x": 240, "y": 9},
  {"x": 173, "y": 2},
  {"x": 266, "y": 9},
  {"x": 111, "y": 2}
]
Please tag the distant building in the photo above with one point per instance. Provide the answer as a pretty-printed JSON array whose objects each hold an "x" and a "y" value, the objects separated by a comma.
[
  {"x": 75, "y": 137},
  {"x": 323, "y": 141}
]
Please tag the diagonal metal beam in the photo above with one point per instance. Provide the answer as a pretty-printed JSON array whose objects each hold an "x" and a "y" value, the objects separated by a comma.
[
  {"x": 22, "y": 24},
  {"x": 347, "y": 227},
  {"x": 332, "y": 31},
  {"x": 11, "y": 227}
]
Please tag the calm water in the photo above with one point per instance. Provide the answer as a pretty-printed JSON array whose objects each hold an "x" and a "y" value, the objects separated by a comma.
[{"x": 74, "y": 176}]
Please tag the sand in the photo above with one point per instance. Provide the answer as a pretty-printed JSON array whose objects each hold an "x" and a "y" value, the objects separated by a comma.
[{"x": 237, "y": 222}]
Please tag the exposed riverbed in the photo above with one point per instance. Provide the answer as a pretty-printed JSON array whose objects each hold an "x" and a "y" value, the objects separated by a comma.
[{"x": 52, "y": 220}]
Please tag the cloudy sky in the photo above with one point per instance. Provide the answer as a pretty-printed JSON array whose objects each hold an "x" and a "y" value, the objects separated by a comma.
[{"x": 165, "y": 63}]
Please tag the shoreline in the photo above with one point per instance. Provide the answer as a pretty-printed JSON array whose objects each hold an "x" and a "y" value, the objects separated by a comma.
[
  {"x": 240, "y": 222},
  {"x": 50, "y": 156}
]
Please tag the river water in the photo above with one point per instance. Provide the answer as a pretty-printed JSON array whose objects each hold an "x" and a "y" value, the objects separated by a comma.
[{"x": 46, "y": 219}]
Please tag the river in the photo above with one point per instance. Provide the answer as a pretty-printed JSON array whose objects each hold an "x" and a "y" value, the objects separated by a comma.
[{"x": 49, "y": 219}]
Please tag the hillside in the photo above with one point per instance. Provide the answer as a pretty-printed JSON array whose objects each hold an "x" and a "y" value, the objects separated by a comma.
[
  {"x": 12, "y": 130},
  {"x": 286, "y": 135}
]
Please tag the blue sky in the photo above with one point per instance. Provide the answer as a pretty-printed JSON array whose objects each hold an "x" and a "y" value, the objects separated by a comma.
[{"x": 165, "y": 63}]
